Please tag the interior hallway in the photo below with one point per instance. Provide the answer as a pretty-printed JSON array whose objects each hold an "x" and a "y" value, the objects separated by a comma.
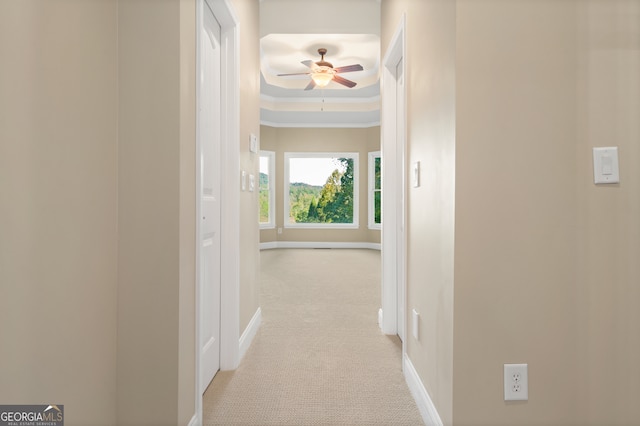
[{"x": 319, "y": 357}]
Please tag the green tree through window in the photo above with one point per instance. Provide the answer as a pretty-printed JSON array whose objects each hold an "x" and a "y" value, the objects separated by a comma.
[
  {"x": 375, "y": 190},
  {"x": 330, "y": 203},
  {"x": 266, "y": 193}
]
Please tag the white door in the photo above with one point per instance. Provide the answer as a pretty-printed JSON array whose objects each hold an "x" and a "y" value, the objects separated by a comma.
[
  {"x": 210, "y": 141},
  {"x": 401, "y": 193}
]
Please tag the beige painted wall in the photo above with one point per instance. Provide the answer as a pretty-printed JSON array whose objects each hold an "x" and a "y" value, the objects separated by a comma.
[
  {"x": 430, "y": 87},
  {"x": 546, "y": 262},
  {"x": 515, "y": 287},
  {"x": 187, "y": 207},
  {"x": 58, "y": 215},
  {"x": 281, "y": 140},
  {"x": 156, "y": 168},
  {"x": 541, "y": 275},
  {"x": 608, "y": 224},
  {"x": 247, "y": 12},
  {"x": 97, "y": 259}
]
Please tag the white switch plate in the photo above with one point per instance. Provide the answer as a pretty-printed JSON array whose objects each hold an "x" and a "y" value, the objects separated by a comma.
[
  {"x": 252, "y": 182},
  {"x": 253, "y": 143},
  {"x": 516, "y": 382},
  {"x": 605, "y": 165},
  {"x": 244, "y": 180},
  {"x": 416, "y": 174},
  {"x": 416, "y": 322}
]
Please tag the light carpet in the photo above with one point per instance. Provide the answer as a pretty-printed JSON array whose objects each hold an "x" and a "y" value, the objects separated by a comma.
[{"x": 319, "y": 357}]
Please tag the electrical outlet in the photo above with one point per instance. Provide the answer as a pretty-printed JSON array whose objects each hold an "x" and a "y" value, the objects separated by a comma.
[{"x": 516, "y": 382}]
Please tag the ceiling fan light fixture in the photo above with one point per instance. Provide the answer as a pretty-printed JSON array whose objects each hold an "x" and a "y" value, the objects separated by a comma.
[{"x": 322, "y": 77}]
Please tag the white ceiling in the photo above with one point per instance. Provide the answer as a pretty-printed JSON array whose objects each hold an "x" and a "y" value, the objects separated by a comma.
[{"x": 292, "y": 33}]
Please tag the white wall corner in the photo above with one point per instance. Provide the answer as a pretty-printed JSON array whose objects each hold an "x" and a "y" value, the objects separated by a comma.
[
  {"x": 250, "y": 332},
  {"x": 420, "y": 395}
]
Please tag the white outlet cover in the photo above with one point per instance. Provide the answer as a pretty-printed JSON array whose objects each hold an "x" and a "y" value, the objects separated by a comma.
[{"x": 516, "y": 382}]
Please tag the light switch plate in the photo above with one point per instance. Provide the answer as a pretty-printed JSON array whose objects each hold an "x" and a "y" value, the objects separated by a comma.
[
  {"x": 252, "y": 183},
  {"x": 244, "y": 180},
  {"x": 605, "y": 165},
  {"x": 416, "y": 174},
  {"x": 253, "y": 143}
]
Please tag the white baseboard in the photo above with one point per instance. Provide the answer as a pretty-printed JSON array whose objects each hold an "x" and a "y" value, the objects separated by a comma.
[
  {"x": 318, "y": 245},
  {"x": 420, "y": 395},
  {"x": 250, "y": 332},
  {"x": 269, "y": 245},
  {"x": 194, "y": 421}
]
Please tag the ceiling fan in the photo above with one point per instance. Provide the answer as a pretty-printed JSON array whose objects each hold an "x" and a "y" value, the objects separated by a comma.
[{"x": 322, "y": 72}]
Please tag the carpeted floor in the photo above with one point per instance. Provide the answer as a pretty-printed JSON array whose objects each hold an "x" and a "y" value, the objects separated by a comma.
[{"x": 319, "y": 357}]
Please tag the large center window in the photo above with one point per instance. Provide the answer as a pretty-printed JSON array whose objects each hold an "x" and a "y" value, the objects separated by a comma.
[{"x": 321, "y": 190}]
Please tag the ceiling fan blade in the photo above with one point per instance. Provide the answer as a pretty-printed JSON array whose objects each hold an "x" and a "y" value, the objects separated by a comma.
[
  {"x": 349, "y": 68},
  {"x": 295, "y": 73},
  {"x": 344, "y": 81},
  {"x": 311, "y": 85},
  {"x": 308, "y": 63}
]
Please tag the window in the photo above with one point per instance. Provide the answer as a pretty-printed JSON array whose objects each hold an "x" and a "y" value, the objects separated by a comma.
[
  {"x": 267, "y": 189},
  {"x": 321, "y": 190},
  {"x": 375, "y": 190}
]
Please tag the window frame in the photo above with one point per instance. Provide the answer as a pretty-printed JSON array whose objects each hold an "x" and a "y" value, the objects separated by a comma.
[
  {"x": 271, "y": 156},
  {"x": 356, "y": 191},
  {"x": 371, "y": 165}
]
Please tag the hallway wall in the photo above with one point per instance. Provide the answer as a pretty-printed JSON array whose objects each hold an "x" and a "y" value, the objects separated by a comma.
[
  {"x": 156, "y": 212},
  {"x": 608, "y": 217},
  {"x": 516, "y": 206},
  {"x": 97, "y": 175},
  {"x": 58, "y": 207},
  {"x": 546, "y": 261},
  {"x": 248, "y": 14},
  {"x": 430, "y": 134},
  {"x": 546, "y": 267}
]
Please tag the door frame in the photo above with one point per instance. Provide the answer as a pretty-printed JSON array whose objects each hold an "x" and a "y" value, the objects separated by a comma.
[
  {"x": 230, "y": 192},
  {"x": 393, "y": 184}
]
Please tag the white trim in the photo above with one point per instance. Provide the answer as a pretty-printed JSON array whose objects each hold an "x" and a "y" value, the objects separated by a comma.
[
  {"x": 426, "y": 407},
  {"x": 315, "y": 100},
  {"x": 230, "y": 211},
  {"x": 194, "y": 421},
  {"x": 322, "y": 125},
  {"x": 317, "y": 245},
  {"x": 355, "y": 156},
  {"x": 392, "y": 185},
  {"x": 230, "y": 257},
  {"x": 269, "y": 246},
  {"x": 250, "y": 332},
  {"x": 271, "y": 158}
]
